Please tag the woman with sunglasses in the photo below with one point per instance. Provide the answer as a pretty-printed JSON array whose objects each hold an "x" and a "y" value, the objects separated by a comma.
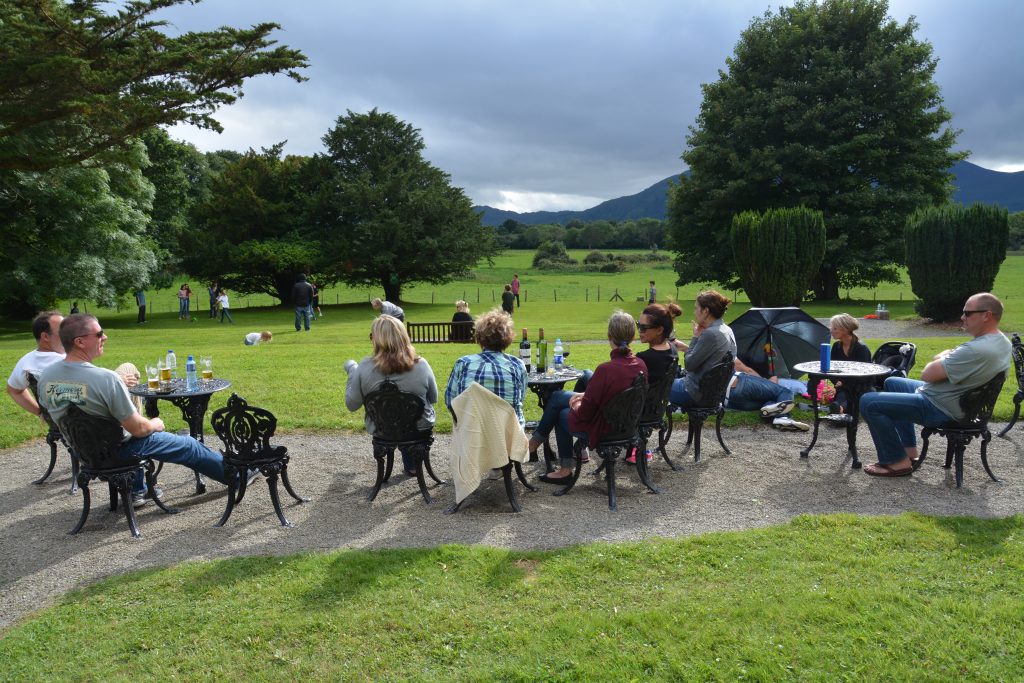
[
  {"x": 712, "y": 339},
  {"x": 655, "y": 326}
]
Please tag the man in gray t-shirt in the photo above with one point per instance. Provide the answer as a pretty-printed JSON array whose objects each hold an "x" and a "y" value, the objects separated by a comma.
[
  {"x": 100, "y": 392},
  {"x": 892, "y": 414}
]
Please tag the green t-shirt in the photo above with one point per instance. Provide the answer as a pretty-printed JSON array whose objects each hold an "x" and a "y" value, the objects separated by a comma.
[
  {"x": 968, "y": 366},
  {"x": 97, "y": 391}
]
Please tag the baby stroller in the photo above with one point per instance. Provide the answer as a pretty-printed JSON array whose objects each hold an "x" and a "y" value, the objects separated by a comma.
[{"x": 897, "y": 355}]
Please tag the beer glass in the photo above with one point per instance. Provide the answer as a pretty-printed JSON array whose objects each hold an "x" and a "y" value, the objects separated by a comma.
[
  {"x": 152, "y": 377},
  {"x": 165, "y": 375},
  {"x": 206, "y": 366}
]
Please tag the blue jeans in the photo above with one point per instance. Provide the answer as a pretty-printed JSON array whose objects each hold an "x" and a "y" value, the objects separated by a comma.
[
  {"x": 751, "y": 393},
  {"x": 179, "y": 450},
  {"x": 182, "y": 308},
  {"x": 678, "y": 396},
  {"x": 224, "y": 312},
  {"x": 556, "y": 416},
  {"x": 891, "y": 415},
  {"x": 302, "y": 315}
]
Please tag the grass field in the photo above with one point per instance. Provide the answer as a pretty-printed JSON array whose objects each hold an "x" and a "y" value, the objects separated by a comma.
[
  {"x": 823, "y": 598},
  {"x": 299, "y": 376}
]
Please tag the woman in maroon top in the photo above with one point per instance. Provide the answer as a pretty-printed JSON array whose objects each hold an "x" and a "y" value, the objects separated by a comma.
[{"x": 573, "y": 414}]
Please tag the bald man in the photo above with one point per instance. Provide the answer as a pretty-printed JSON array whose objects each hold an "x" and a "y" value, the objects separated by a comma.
[{"x": 892, "y": 414}]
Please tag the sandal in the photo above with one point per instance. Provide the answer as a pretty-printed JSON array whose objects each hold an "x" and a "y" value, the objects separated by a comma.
[{"x": 881, "y": 470}]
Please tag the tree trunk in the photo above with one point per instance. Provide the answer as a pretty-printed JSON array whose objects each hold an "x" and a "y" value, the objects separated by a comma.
[
  {"x": 283, "y": 284},
  {"x": 392, "y": 288},
  {"x": 826, "y": 284}
]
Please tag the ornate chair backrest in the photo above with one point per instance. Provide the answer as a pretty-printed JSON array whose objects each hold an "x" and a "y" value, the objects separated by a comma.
[
  {"x": 622, "y": 412},
  {"x": 656, "y": 401},
  {"x": 395, "y": 413},
  {"x": 714, "y": 382},
  {"x": 978, "y": 403},
  {"x": 96, "y": 440},
  {"x": 1017, "y": 353},
  {"x": 33, "y": 385},
  {"x": 898, "y": 355},
  {"x": 245, "y": 430}
]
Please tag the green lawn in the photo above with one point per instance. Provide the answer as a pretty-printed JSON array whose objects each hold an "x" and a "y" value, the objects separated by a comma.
[{"x": 823, "y": 598}]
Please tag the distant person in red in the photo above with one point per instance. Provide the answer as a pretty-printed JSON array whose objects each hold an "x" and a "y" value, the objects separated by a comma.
[{"x": 515, "y": 288}]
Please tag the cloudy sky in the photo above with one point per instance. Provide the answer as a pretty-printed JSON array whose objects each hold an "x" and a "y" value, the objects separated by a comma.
[{"x": 561, "y": 104}]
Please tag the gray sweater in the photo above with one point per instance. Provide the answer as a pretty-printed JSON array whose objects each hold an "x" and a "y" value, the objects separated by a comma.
[
  {"x": 707, "y": 351},
  {"x": 365, "y": 378}
]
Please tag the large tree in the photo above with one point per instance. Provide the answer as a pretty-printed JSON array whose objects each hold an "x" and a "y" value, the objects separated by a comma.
[
  {"x": 75, "y": 233},
  {"x": 829, "y": 105},
  {"x": 76, "y": 81},
  {"x": 251, "y": 233},
  {"x": 393, "y": 218}
]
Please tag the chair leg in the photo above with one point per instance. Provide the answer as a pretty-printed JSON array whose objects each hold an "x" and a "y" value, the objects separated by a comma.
[
  {"x": 522, "y": 477},
  {"x": 612, "y": 502},
  {"x": 123, "y": 486},
  {"x": 925, "y": 434},
  {"x": 696, "y": 428},
  {"x": 663, "y": 436},
  {"x": 958, "y": 456},
  {"x": 288, "y": 485},
  {"x": 950, "y": 452},
  {"x": 76, "y": 467},
  {"x": 200, "y": 484},
  {"x": 986, "y": 437},
  {"x": 380, "y": 453},
  {"x": 151, "y": 490},
  {"x": 390, "y": 464},
  {"x": 418, "y": 453},
  {"x": 114, "y": 496},
  {"x": 641, "y": 467},
  {"x": 506, "y": 475},
  {"x": 276, "y": 499},
  {"x": 718, "y": 431},
  {"x": 229, "y": 473},
  {"x": 1016, "y": 414},
  {"x": 243, "y": 483},
  {"x": 86, "y": 503},
  {"x": 578, "y": 450},
  {"x": 52, "y": 442},
  {"x": 430, "y": 470}
]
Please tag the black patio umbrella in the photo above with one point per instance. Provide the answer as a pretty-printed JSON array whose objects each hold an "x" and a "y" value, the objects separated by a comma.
[{"x": 773, "y": 340}]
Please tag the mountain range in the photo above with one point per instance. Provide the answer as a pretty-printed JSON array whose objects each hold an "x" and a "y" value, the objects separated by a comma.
[{"x": 973, "y": 184}]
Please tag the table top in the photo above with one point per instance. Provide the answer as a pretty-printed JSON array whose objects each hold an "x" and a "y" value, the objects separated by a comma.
[
  {"x": 178, "y": 389},
  {"x": 844, "y": 368},
  {"x": 560, "y": 377}
]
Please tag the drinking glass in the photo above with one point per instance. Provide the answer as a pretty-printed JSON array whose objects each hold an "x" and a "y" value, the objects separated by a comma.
[
  {"x": 152, "y": 377},
  {"x": 165, "y": 374},
  {"x": 565, "y": 354},
  {"x": 206, "y": 366}
]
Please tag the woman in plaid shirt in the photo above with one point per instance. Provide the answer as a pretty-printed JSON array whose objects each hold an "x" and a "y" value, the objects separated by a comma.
[{"x": 498, "y": 372}]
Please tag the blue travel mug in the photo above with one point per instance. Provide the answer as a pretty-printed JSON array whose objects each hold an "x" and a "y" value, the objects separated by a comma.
[{"x": 826, "y": 357}]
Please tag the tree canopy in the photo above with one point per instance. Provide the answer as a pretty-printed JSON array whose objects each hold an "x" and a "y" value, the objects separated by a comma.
[
  {"x": 829, "y": 105},
  {"x": 76, "y": 81},
  {"x": 390, "y": 217}
]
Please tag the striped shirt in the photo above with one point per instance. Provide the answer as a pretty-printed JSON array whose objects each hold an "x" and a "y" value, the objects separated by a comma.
[{"x": 501, "y": 374}]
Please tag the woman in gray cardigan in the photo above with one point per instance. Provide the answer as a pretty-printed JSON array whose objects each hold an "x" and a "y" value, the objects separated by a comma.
[
  {"x": 712, "y": 339},
  {"x": 394, "y": 358}
]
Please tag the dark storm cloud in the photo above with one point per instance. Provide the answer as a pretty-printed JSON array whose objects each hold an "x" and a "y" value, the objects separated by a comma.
[{"x": 563, "y": 104}]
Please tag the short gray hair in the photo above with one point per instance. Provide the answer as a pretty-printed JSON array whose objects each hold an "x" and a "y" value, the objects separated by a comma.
[{"x": 621, "y": 328}]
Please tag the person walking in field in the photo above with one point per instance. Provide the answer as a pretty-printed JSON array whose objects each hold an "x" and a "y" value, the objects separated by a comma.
[
  {"x": 515, "y": 288},
  {"x": 507, "y": 298},
  {"x": 225, "y": 306},
  {"x": 652, "y": 296}
]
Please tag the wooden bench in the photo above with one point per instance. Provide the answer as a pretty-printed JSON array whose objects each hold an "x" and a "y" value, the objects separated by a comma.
[{"x": 440, "y": 333}]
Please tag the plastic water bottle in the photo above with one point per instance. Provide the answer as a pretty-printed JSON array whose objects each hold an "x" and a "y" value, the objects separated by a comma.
[
  {"x": 172, "y": 363},
  {"x": 192, "y": 379},
  {"x": 559, "y": 360}
]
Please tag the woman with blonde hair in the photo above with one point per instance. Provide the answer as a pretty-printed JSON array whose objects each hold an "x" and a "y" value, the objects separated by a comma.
[
  {"x": 847, "y": 347},
  {"x": 394, "y": 358},
  {"x": 573, "y": 414},
  {"x": 463, "y": 329}
]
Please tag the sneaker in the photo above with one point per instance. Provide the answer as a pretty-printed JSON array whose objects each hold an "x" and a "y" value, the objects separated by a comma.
[
  {"x": 776, "y": 409},
  {"x": 631, "y": 459},
  {"x": 253, "y": 473},
  {"x": 141, "y": 499},
  {"x": 788, "y": 424},
  {"x": 650, "y": 456}
]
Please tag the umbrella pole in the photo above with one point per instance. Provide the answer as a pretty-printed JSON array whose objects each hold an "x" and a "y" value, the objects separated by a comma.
[{"x": 771, "y": 354}]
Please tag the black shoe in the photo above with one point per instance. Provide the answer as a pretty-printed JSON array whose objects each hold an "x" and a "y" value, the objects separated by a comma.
[{"x": 558, "y": 481}]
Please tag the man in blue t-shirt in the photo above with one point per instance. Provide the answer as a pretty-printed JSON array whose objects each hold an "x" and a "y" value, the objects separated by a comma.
[{"x": 892, "y": 413}]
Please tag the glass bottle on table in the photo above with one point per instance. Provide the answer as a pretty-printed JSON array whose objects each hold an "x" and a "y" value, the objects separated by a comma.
[
  {"x": 542, "y": 352},
  {"x": 524, "y": 351}
]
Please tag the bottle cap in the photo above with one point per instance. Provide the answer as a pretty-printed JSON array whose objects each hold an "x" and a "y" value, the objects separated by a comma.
[{"x": 190, "y": 357}]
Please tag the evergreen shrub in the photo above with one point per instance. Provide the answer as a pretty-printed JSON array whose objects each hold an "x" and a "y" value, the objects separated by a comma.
[
  {"x": 778, "y": 253},
  {"x": 953, "y": 252}
]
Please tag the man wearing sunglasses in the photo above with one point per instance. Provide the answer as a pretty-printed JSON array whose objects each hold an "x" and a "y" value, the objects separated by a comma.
[
  {"x": 892, "y": 414},
  {"x": 100, "y": 392}
]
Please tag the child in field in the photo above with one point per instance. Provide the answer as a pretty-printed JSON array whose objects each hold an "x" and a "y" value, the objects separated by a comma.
[{"x": 254, "y": 338}]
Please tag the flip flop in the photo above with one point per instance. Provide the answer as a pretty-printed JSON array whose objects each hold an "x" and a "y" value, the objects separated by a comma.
[{"x": 881, "y": 470}]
